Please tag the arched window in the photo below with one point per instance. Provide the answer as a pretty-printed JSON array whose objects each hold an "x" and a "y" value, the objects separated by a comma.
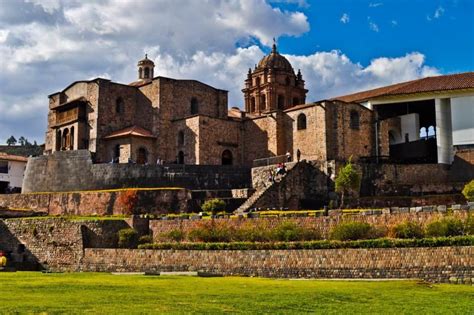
[
  {"x": 263, "y": 102},
  {"x": 116, "y": 154},
  {"x": 71, "y": 141},
  {"x": 181, "y": 138},
  {"x": 301, "y": 122},
  {"x": 119, "y": 105},
  {"x": 281, "y": 102},
  {"x": 147, "y": 73},
  {"x": 257, "y": 81},
  {"x": 296, "y": 101},
  {"x": 65, "y": 139},
  {"x": 287, "y": 81},
  {"x": 180, "y": 157},
  {"x": 431, "y": 131},
  {"x": 423, "y": 133},
  {"x": 227, "y": 157},
  {"x": 142, "y": 156},
  {"x": 252, "y": 104},
  {"x": 140, "y": 71},
  {"x": 391, "y": 137},
  {"x": 194, "y": 106},
  {"x": 58, "y": 140},
  {"x": 354, "y": 120}
]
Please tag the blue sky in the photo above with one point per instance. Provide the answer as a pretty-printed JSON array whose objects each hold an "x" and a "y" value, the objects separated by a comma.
[
  {"x": 442, "y": 30},
  {"x": 340, "y": 46}
]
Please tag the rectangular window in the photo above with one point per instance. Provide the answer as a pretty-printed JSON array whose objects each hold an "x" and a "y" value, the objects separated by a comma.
[{"x": 4, "y": 167}]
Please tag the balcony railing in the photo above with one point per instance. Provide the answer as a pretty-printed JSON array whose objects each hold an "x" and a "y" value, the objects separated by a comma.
[{"x": 67, "y": 116}]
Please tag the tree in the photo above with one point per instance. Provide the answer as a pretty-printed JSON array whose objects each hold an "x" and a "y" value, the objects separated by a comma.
[
  {"x": 468, "y": 191},
  {"x": 214, "y": 205},
  {"x": 22, "y": 140},
  {"x": 11, "y": 141},
  {"x": 348, "y": 180}
]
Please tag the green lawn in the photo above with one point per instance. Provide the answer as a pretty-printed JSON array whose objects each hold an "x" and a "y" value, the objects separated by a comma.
[{"x": 93, "y": 293}]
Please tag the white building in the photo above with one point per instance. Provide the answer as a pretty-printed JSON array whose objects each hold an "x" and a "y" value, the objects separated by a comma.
[
  {"x": 12, "y": 168},
  {"x": 438, "y": 108}
]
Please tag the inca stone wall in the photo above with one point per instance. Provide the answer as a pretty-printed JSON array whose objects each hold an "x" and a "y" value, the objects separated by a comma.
[
  {"x": 128, "y": 202},
  {"x": 323, "y": 224},
  {"x": 74, "y": 171},
  {"x": 431, "y": 264}
]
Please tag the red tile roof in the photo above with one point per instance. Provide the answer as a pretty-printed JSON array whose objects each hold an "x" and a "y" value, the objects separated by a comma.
[
  {"x": 131, "y": 131},
  {"x": 9, "y": 157},
  {"x": 441, "y": 83}
]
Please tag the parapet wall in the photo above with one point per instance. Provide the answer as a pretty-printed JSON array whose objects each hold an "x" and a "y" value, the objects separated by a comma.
[
  {"x": 431, "y": 264},
  {"x": 74, "y": 171}
]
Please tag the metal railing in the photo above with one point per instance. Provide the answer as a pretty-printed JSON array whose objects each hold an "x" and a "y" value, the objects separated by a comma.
[{"x": 270, "y": 161}]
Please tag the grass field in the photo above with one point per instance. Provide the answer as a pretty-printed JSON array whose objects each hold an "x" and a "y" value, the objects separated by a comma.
[{"x": 93, "y": 293}]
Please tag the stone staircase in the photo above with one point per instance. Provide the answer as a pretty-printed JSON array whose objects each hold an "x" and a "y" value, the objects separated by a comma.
[{"x": 254, "y": 198}]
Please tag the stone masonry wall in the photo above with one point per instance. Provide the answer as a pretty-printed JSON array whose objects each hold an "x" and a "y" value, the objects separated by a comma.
[
  {"x": 431, "y": 264},
  {"x": 74, "y": 171},
  {"x": 102, "y": 202},
  {"x": 323, "y": 224}
]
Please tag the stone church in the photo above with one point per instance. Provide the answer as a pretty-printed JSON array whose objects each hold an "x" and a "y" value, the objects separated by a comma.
[{"x": 188, "y": 122}]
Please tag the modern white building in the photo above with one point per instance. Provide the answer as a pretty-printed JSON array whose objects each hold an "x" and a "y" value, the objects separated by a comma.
[
  {"x": 439, "y": 109},
  {"x": 12, "y": 168}
]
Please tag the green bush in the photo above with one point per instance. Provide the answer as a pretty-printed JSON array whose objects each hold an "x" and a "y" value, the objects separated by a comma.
[
  {"x": 323, "y": 244},
  {"x": 290, "y": 231},
  {"x": 408, "y": 230},
  {"x": 145, "y": 239},
  {"x": 128, "y": 238},
  {"x": 175, "y": 235},
  {"x": 468, "y": 191},
  {"x": 353, "y": 231},
  {"x": 469, "y": 224},
  {"x": 214, "y": 205},
  {"x": 211, "y": 232},
  {"x": 445, "y": 227}
]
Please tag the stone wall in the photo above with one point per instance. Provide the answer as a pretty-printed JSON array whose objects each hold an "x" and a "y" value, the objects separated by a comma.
[
  {"x": 55, "y": 243},
  {"x": 322, "y": 224},
  {"x": 431, "y": 264},
  {"x": 74, "y": 171},
  {"x": 128, "y": 202}
]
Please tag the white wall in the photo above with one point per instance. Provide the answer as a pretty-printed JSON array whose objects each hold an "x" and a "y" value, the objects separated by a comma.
[
  {"x": 15, "y": 174},
  {"x": 410, "y": 124},
  {"x": 462, "y": 113}
]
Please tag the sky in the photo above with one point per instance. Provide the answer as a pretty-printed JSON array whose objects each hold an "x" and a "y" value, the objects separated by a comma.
[{"x": 341, "y": 46}]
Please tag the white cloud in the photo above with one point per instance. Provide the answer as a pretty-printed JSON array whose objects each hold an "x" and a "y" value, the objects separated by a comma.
[
  {"x": 375, "y": 4},
  {"x": 46, "y": 45},
  {"x": 394, "y": 22},
  {"x": 438, "y": 13},
  {"x": 374, "y": 27},
  {"x": 345, "y": 18}
]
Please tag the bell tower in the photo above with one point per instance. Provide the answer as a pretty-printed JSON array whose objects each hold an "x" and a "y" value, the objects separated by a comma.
[
  {"x": 145, "y": 69},
  {"x": 273, "y": 85}
]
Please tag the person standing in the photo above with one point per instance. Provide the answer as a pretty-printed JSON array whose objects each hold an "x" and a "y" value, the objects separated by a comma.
[{"x": 298, "y": 155}]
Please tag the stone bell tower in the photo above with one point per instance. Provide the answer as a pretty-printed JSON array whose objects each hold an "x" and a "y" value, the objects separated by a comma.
[
  {"x": 273, "y": 85},
  {"x": 145, "y": 69}
]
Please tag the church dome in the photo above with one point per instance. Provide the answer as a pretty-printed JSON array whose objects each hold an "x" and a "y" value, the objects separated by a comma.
[
  {"x": 275, "y": 61},
  {"x": 145, "y": 61}
]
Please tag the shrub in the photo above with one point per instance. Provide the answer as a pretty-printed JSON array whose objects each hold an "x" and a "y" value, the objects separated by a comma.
[
  {"x": 353, "y": 231},
  {"x": 128, "y": 238},
  {"x": 347, "y": 180},
  {"x": 469, "y": 225},
  {"x": 175, "y": 235},
  {"x": 145, "y": 239},
  {"x": 211, "y": 232},
  {"x": 128, "y": 200},
  {"x": 214, "y": 205},
  {"x": 468, "y": 191},
  {"x": 407, "y": 230},
  {"x": 445, "y": 227},
  {"x": 290, "y": 231},
  {"x": 324, "y": 244}
]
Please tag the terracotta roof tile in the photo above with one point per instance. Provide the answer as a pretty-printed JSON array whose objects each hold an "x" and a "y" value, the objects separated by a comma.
[
  {"x": 450, "y": 82},
  {"x": 9, "y": 157},
  {"x": 131, "y": 131}
]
